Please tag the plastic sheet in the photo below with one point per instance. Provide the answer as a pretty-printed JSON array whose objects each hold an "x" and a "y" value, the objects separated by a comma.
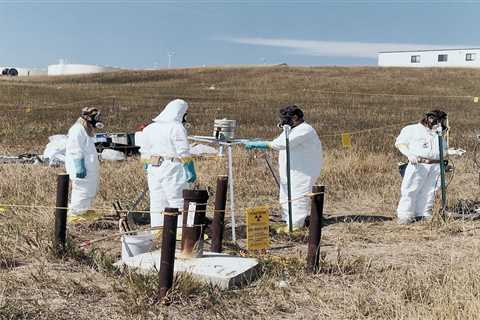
[
  {"x": 54, "y": 153},
  {"x": 113, "y": 155}
]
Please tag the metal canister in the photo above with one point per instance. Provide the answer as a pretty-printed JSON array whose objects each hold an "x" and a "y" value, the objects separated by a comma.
[{"x": 224, "y": 129}]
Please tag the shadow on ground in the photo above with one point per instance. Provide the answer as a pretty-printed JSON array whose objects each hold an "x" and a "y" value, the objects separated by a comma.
[{"x": 347, "y": 218}]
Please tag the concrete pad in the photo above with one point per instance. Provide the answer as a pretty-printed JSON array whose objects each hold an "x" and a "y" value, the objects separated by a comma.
[{"x": 217, "y": 269}]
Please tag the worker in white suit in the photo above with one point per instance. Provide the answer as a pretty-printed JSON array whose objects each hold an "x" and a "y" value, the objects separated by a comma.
[
  {"x": 170, "y": 167},
  {"x": 419, "y": 143},
  {"x": 81, "y": 162},
  {"x": 306, "y": 161}
]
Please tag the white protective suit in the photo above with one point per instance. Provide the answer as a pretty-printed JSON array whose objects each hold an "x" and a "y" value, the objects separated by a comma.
[
  {"x": 306, "y": 162},
  {"x": 166, "y": 137},
  {"x": 421, "y": 180},
  {"x": 81, "y": 146}
]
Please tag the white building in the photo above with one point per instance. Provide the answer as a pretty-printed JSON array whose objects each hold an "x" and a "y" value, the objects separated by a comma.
[{"x": 462, "y": 58}]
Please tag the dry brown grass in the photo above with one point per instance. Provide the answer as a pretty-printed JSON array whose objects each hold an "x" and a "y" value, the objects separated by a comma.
[{"x": 371, "y": 267}]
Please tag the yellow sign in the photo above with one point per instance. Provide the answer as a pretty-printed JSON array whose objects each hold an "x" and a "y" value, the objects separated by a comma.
[
  {"x": 346, "y": 140},
  {"x": 475, "y": 99},
  {"x": 28, "y": 110},
  {"x": 258, "y": 235}
]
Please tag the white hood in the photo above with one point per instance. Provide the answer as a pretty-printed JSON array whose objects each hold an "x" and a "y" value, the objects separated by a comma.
[{"x": 173, "y": 112}]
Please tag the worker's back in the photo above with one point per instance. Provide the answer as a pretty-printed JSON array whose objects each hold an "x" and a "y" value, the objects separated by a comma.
[{"x": 306, "y": 154}]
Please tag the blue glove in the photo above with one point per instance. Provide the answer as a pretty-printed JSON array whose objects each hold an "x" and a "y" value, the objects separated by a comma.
[
  {"x": 80, "y": 170},
  {"x": 191, "y": 174},
  {"x": 257, "y": 145}
]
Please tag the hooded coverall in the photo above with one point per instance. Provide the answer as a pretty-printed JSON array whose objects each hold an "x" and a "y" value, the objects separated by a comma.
[
  {"x": 421, "y": 180},
  {"x": 81, "y": 145},
  {"x": 306, "y": 162},
  {"x": 166, "y": 137}
]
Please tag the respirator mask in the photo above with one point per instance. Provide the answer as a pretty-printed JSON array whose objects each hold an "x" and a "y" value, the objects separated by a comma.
[
  {"x": 92, "y": 116},
  {"x": 185, "y": 122},
  {"x": 285, "y": 121},
  {"x": 436, "y": 120},
  {"x": 289, "y": 114}
]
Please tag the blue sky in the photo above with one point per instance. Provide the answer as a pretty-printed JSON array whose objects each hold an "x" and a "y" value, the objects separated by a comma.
[{"x": 140, "y": 34}]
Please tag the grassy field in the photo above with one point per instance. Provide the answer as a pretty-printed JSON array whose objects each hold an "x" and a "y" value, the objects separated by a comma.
[{"x": 372, "y": 268}]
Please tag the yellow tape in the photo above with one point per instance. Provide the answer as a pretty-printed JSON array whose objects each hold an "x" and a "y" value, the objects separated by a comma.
[{"x": 5, "y": 206}]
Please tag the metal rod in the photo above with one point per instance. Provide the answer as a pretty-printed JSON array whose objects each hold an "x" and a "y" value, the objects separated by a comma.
[
  {"x": 167, "y": 260},
  {"x": 218, "y": 224},
  {"x": 315, "y": 232},
  {"x": 231, "y": 189},
  {"x": 135, "y": 204},
  {"x": 271, "y": 170},
  {"x": 286, "y": 129},
  {"x": 442, "y": 170},
  {"x": 192, "y": 235},
  {"x": 137, "y": 200},
  {"x": 60, "y": 233}
]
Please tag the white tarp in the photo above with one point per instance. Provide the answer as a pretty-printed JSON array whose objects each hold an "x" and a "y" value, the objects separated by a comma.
[
  {"x": 54, "y": 152},
  {"x": 113, "y": 155}
]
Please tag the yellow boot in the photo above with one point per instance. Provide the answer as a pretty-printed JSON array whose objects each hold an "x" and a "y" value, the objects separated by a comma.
[
  {"x": 87, "y": 216},
  {"x": 75, "y": 218},
  {"x": 282, "y": 228},
  {"x": 279, "y": 227},
  {"x": 92, "y": 215}
]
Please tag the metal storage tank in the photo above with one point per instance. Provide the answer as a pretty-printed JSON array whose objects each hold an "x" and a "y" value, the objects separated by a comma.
[
  {"x": 24, "y": 72},
  {"x": 63, "y": 69}
]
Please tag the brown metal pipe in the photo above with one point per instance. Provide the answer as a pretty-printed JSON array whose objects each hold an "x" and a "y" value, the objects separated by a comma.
[
  {"x": 218, "y": 224},
  {"x": 313, "y": 254},
  {"x": 167, "y": 259},
  {"x": 192, "y": 236},
  {"x": 61, "y": 204}
]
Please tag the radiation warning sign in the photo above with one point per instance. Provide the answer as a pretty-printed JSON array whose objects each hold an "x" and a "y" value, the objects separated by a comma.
[{"x": 258, "y": 236}]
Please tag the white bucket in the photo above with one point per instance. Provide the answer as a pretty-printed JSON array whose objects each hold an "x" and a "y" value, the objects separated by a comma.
[{"x": 133, "y": 245}]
